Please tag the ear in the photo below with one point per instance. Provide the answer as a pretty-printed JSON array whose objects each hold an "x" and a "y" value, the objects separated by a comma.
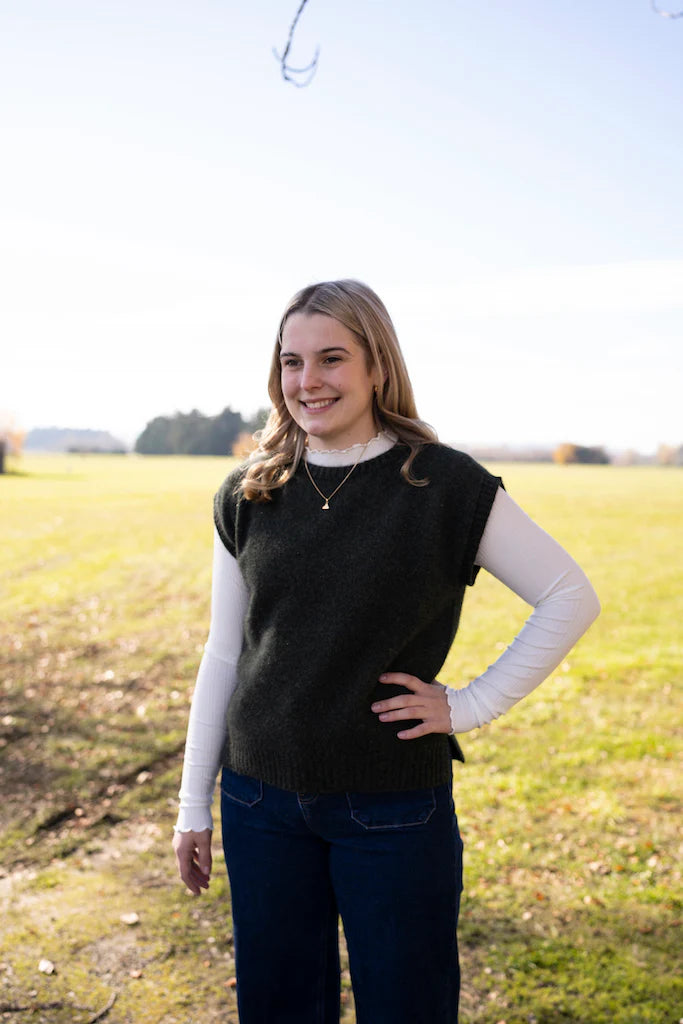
[{"x": 379, "y": 382}]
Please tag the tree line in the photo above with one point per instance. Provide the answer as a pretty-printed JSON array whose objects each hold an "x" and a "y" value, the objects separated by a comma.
[
  {"x": 193, "y": 433},
  {"x": 229, "y": 433}
]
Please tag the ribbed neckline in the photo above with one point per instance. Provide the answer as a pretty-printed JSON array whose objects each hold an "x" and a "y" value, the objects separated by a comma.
[{"x": 376, "y": 461}]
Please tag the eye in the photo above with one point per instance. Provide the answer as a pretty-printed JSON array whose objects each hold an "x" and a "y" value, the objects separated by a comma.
[
  {"x": 333, "y": 359},
  {"x": 290, "y": 362}
]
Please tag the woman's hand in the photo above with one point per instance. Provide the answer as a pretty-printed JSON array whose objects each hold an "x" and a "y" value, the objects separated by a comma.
[
  {"x": 193, "y": 855},
  {"x": 425, "y": 701}
]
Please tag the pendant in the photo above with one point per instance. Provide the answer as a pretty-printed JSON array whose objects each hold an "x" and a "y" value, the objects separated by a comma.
[{"x": 326, "y": 506}]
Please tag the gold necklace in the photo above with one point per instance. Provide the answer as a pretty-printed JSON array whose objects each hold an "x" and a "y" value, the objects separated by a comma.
[{"x": 327, "y": 497}]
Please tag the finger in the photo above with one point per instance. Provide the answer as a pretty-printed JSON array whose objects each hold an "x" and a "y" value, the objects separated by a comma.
[
  {"x": 401, "y": 714},
  {"x": 199, "y": 879},
  {"x": 187, "y": 872},
  {"x": 190, "y": 882},
  {"x": 193, "y": 855},
  {"x": 402, "y": 679},
  {"x": 195, "y": 879},
  {"x": 193, "y": 886},
  {"x": 403, "y": 700},
  {"x": 197, "y": 871},
  {"x": 412, "y": 734},
  {"x": 204, "y": 852}
]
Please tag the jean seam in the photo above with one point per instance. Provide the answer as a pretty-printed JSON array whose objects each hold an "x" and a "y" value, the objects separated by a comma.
[
  {"x": 244, "y": 803},
  {"x": 389, "y": 828},
  {"x": 303, "y": 810}
]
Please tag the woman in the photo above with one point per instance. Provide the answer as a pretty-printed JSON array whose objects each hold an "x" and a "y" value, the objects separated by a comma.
[{"x": 343, "y": 548}]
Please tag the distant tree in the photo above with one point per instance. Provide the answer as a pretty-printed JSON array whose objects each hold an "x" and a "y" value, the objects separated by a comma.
[
  {"x": 225, "y": 428},
  {"x": 630, "y": 457},
  {"x": 155, "y": 438},
  {"x": 11, "y": 438},
  {"x": 568, "y": 453},
  {"x": 243, "y": 445},
  {"x": 190, "y": 433},
  {"x": 668, "y": 455},
  {"x": 258, "y": 420}
]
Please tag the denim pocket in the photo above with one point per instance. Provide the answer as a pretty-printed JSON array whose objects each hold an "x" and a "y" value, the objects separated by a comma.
[
  {"x": 392, "y": 810},
  {"x": 243, "y": 789}
]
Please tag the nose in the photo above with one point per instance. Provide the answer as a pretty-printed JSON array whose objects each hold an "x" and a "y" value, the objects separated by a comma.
[{"x": 310, "y": 377}]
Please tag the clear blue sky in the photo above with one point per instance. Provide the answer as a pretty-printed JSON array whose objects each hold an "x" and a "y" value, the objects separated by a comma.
[{"x": 506, "y": 175}]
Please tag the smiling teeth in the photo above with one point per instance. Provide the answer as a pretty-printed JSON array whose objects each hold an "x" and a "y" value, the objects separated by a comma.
[{"x": 319, "y": 405}]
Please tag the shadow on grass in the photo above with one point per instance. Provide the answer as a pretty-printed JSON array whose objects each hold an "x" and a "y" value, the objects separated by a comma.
[{"x": 75, "y": 752}]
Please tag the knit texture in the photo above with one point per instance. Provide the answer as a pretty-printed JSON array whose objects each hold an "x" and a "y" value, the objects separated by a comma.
[{"x": 337, "y": 597}]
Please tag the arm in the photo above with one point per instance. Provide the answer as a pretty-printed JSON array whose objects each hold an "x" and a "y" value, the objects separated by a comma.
[
  {"x": 216, "y": 681},
  {"x": 533, "y": 565},
  {"x": 528, "y": 561}
]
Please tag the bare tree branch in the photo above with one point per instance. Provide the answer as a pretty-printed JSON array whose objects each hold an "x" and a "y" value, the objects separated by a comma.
[
  {"x": 287, "y": 70},
  {"x": 665, "y": 14}
]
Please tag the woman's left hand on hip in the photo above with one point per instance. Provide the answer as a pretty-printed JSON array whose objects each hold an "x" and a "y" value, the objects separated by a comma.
[{"x": 425, "y": 700}]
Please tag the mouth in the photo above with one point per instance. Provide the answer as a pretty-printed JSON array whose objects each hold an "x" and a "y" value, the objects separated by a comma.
[{"x": 321, "y": 403}]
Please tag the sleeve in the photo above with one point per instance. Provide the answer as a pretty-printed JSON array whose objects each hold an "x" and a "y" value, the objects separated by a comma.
[
  {"x": 533, "y": 565},
  {"x": 216, "y": 682}
]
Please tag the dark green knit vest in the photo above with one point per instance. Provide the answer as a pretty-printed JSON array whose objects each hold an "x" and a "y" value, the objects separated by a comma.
[{"x": 337, "y": 597}]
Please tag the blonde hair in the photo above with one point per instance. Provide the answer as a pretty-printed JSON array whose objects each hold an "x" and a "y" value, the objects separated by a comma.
[{"x": 281, "y": 443}]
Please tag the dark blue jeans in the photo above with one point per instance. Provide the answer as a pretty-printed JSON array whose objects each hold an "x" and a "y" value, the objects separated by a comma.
[{"x": 389, "y": 863}]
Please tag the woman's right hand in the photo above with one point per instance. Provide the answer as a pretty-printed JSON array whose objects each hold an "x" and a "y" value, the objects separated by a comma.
[{"x": 193, "y": 856}]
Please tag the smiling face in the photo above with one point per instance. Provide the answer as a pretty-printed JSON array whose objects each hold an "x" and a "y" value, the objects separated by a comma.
[{"x": 327, "y": 386}]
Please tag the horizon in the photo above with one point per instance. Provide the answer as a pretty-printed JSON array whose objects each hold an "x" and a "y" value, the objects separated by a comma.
[{"x": 514, "y": 447}]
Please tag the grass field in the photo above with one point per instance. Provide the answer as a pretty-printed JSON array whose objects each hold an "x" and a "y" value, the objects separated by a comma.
[{"x": 568, "y": 805}]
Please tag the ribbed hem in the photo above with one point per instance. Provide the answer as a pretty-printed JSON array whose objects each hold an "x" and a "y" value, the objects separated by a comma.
[{"x": 430, "y": 766}]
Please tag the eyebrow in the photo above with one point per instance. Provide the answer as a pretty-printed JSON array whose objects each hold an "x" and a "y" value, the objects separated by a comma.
[{"x": 320, "y": 352}]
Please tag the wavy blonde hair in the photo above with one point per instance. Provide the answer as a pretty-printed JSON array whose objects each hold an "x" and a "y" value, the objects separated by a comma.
[{"x": 281, "y": 443}]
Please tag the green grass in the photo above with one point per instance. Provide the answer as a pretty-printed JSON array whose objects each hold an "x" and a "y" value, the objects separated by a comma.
[{"x": 567, "y": 805}]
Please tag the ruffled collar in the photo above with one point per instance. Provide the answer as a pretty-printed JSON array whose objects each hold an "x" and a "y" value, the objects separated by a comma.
[{"x": 377, "y": 445}]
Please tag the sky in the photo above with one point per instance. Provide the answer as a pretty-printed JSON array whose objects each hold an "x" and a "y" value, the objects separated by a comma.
[{"x": 507, "y": 176}]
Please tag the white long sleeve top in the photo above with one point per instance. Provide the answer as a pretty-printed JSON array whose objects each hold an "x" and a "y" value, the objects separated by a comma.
[{"x": 513, "y": 549}]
